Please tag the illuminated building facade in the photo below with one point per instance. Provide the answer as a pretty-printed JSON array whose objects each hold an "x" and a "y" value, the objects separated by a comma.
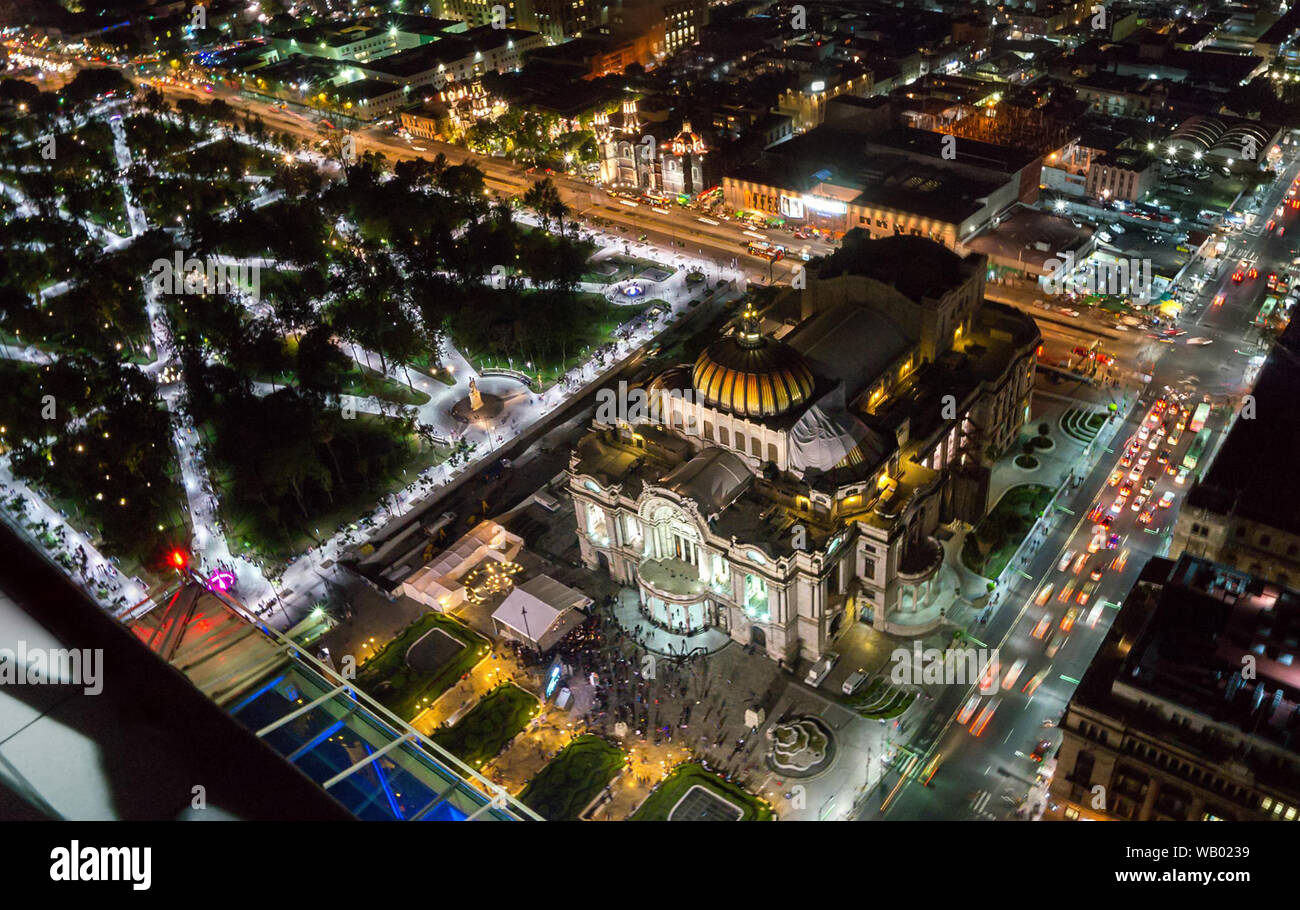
[
  {"x": 633, "y": 159},
  {"x": 780, "y": 490}
]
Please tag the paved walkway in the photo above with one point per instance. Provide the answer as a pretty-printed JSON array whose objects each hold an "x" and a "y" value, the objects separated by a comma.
[{"x": 627, "y": 610}]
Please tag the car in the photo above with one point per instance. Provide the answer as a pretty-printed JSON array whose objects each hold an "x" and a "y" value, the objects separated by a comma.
[
  {"x": 818, "y": 672},
  {"x": 1097, "y": 572},
  {"x": 927, "y": 774},
  {"x": 1094, "y": 614},
  {"x": 1144, "y": 460},
  {"x": 1013, "y": 674},
  {"x": 1167, "y": 500},
  {"x": 1054, "y": 645},
  {"x": 1238, "y": 277},
  {"x": 1115, "y": 477},
  {"x": 1067, "y": 621},
  {"x": 1126, "y": 490},
  {"x": 1098, "y": 539},
  {"x": 1181, "y": 479},
  {"x": 989, "y": 681},
  {"x": 1107, "y": 520},
  {"x": 1271, "y": 224},
  {"x": 1117, "y": 506},
  {"x": 1085, "y": 594},
  {"x": 1144, "y": 432},
  {"x": 986, "y": 715},
  {"x": 855, "y": 681},
  {"x": 1031, "y": 687},
  {"x": 968, "y": 709},
  {"x": 1045, "y": 594},
  {"x": 1147, "y": 514},
  {"x": 1042, "y": 626},
  {"x": 1095, "y": 515},
  {"x": 1253, "y": 273},
  {"x": 1152, "y": 445},
  {"x": 1079, "y": 563},
  {"x": 1136, "y": 474},
  {"x": 1112, "y": 542},
  {"x": 1219, "y": 298},
  {"x": 1138, "y": 503},
  {"x": 1173, "y": 440},
  {"x": 1066, "y": 558},
  {"x": 1148, "y": 485},
  {"x": 1066, "y": 592}
]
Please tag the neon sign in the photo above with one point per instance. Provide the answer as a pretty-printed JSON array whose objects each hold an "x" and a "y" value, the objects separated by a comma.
[{"x": 823, "y": 206}]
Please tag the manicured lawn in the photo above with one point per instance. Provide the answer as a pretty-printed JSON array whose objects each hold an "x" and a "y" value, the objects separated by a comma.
[
  {"x": 994, "y": 541},
  {"x": 366, "y": 382},
  {"x": 666, "y": 796},
  {"x": 881, "y": 699},
  {"x": 495, "y": 720},
  {"x": 571, "y": 780},
  {"x": 599, "y": 331},
  {"x": 406, "y": 691}
]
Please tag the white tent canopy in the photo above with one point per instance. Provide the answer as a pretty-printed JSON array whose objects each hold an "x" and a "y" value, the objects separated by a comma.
[{"x": 539, "y": 611}]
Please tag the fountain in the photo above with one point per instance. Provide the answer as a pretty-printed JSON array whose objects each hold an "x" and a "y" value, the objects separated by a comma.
[{"x": 801, "y": 748}]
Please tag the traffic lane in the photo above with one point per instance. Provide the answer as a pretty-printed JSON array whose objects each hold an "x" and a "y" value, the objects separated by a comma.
[
  {"x": 1074, "y": 656},
  {"x": 966, "y": 749},
  {"x": 514, "y": 179},
  {"x": 1016, "y": 725}
]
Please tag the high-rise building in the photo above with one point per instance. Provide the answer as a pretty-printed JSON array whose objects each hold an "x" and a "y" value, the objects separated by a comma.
[{"x": 1190, "y": 710}]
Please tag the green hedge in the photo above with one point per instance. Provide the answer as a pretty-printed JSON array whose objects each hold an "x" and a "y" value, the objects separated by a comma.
[
  {"x": 666, "y": 796},
  {"x": 495, "y": 720},
  {"x": 401, "y": 688},
  {"x": 571, "y": 780}
]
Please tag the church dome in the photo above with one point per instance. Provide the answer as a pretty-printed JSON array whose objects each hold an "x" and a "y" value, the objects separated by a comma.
[{"x": 750, "y": 374}]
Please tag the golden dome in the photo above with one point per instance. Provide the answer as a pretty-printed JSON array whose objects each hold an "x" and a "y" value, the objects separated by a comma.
[{"x": 750, "y": 374}]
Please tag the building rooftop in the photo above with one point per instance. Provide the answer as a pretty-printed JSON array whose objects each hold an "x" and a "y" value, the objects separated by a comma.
[
  {"x": 1031, "y": 237},
  {"x": 416, "y": 60},
  {"x": 1251, "y": 475},
  {"x": 915, "y": 266},
  {"x": 1177, "y": 649}
]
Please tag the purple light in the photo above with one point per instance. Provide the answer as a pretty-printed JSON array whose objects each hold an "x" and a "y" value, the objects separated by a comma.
[{"x": 221, "y": 581}]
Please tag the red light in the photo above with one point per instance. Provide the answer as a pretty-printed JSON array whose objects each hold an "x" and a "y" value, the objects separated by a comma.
[{"x": 178, "y": 559}]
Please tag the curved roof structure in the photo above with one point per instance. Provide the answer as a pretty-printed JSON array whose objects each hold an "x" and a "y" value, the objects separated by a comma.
[
  {"x": 1197, "y": 133},
  {"x": 828, "y": 436},
  {"x": 1245, "y": 140},
  {"x": 752, "y": 375},
  {"x": 714, "y": 479}
]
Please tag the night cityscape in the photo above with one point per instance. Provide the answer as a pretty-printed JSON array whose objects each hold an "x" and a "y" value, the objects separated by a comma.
[{"x": 650, "y": 410}]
